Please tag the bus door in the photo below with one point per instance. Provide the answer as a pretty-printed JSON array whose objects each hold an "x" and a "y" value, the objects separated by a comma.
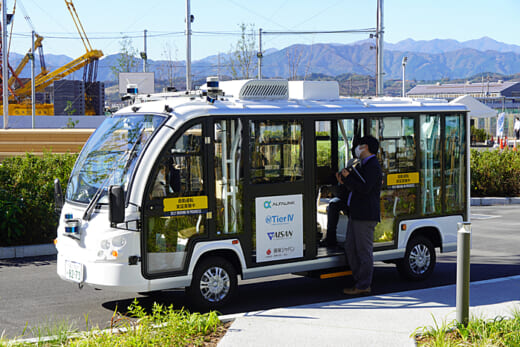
[
  {"x": 176, "y": 204},
  {"x": 334, "y": 147},
  {"x": 278, "y": 188}
]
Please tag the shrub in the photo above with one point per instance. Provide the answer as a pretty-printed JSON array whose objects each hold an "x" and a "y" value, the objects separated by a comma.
[
  {"x": 478, "y": 135},
  {"x": 495, "y": 173},
  {"x": 27, "y": 197}
]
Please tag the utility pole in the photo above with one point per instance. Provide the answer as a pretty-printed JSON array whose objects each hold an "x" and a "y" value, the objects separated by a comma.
[
  {"x": 5, "y": 74},
  {"x": 405, "y": 60},
  {"x": 144, "y": 54},
  {"x": 259, "y": 55},
  {"x": 33, "y": 88},
  {"x": 379, "y": 50},
  {"x": 189, "y": 19}
]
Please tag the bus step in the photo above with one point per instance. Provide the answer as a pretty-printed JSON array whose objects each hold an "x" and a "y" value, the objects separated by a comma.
[{"x": 335, "y": 274}]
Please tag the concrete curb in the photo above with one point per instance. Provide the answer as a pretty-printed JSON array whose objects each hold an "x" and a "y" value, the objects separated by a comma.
[
  {"x": 494, "y": 201},
  {"x": 27, "y": 251},
  {"x": 84, "y": 334}
]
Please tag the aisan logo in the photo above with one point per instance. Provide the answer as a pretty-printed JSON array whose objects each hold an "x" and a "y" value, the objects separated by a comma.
[
  {"x": 280, "y": 235},
  {"x": 268, "y": 252}
]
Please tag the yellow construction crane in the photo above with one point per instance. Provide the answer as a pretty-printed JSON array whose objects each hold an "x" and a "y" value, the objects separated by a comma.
[
  {"x": 25, "y": 60},
  {"x": 88, "y": 60}
]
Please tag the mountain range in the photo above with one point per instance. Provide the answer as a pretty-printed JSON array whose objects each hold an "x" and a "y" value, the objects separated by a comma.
[{"x": 427, "y": 60}]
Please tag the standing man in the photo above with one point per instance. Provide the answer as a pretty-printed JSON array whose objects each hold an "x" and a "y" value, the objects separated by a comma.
[{"x": 364, "y": 182}]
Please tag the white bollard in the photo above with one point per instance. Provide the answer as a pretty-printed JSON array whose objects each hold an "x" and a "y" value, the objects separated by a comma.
[{"x": 463, "y": 270}]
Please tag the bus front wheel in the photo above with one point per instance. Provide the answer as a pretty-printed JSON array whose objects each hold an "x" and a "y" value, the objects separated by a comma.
[
  {"x": 214, "y": 283},
  {"x": 419, "y": 260}
]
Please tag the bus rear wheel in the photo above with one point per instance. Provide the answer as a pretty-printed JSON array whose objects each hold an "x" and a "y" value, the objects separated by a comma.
[
  {"x": 214, "y": 283},
  {"x": 419, "y": 260}
]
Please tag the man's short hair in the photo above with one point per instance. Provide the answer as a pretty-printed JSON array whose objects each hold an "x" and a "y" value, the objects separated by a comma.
[{"x": 371, "y": 142}]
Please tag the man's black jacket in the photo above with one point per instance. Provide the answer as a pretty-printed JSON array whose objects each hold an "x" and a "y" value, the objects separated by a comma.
[{"x": 365, "y": 201}]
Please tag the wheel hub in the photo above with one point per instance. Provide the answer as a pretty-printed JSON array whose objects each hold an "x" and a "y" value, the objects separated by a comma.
[
  {"x": 215, "y": 284},
  {"x": 420, "y": 259}
]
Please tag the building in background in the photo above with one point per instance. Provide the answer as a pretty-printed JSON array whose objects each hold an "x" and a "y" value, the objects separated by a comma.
[{"x": 500, "y": 96}]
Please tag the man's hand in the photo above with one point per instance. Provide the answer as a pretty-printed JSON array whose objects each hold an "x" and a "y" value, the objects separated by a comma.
[{"x": 338, "y": 177}]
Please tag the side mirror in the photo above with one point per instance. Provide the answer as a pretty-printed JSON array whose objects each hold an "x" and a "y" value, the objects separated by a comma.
[
  {"x": 58, "y": 197},
  {"x": 116, "y": 205}
]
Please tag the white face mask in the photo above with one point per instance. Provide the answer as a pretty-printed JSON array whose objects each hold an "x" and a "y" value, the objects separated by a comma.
[{"x": 358, "y": 151}]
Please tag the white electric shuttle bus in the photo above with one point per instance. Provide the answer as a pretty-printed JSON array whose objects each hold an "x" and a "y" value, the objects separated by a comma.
[{"x": 192, "y": 190}]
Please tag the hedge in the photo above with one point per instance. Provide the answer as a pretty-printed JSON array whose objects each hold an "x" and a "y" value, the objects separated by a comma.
[
  {"x": 27, "y": 190},
  {"x": 27, "y": 197},
  {"x": 495, "y": 173}
]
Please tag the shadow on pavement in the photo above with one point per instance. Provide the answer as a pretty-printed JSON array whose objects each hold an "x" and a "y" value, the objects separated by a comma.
[
  {"x": 308, "y": 291},
  {"x": 31, "y": 261}
]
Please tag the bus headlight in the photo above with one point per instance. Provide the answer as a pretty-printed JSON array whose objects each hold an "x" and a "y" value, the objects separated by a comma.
[
  {"x": 119, "y": 241},
  {"x": 105, "y": 244}
]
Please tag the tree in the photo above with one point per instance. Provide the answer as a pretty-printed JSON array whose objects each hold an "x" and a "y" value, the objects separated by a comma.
[
  {"x": 169, "y": 68},
  {"x": 294, "y": 56},
  {"x": 242, "y": 56},
  {"x": 127, "y": 60}
]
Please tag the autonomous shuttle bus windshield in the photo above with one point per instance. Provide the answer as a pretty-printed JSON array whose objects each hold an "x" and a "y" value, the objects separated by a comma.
[{"x": 194, "y": 190}]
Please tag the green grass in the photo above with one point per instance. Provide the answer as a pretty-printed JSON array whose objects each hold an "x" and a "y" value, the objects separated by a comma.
[
  {"x": 164, "y": 326},
  {"x": 500, "y": 331}
]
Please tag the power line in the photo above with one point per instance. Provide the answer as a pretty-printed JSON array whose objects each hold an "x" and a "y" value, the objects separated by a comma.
[
  {"x": 71, "y": 37},
  {"x": 352, "y": 31}
]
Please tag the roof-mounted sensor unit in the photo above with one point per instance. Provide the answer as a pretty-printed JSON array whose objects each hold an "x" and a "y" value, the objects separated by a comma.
[{"x": 257, "y": 89}]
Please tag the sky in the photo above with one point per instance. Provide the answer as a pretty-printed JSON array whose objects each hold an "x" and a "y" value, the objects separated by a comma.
[{"x": 216, "y": 24}]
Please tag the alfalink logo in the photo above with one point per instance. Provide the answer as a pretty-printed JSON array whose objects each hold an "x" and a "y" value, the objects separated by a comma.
[{"x": 271, "y": 204}]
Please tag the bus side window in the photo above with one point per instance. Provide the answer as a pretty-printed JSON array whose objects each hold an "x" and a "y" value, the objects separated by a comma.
[
  {"x": 276, "y": 151},
  {"x": 326, "y": 154}
]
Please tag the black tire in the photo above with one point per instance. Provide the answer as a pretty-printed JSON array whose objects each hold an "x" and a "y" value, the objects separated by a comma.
[
  {"x": 214, "y": 283},
  {"x": 419, "y": 260}
]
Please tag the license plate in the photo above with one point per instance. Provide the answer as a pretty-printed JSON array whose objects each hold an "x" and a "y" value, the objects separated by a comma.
[{"x": 73, "y": 271}]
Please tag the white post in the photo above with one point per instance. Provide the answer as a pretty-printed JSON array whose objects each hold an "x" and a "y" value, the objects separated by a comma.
[
  {"x": 33, "y": 87},
  {"x": 379, "y": 49},
  {"x": 5, "y": 74},
  {"x": 463, "y": 271},
  {"x": 188, "y": 46}
]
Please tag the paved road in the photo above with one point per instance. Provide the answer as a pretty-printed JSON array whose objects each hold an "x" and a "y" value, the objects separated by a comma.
[{"x": 32, "y": 295}]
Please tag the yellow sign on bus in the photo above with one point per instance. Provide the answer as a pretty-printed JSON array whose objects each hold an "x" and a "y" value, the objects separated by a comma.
[
  {"x": 402, "y": 178},
  {"x": 185, "y": 203}
]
